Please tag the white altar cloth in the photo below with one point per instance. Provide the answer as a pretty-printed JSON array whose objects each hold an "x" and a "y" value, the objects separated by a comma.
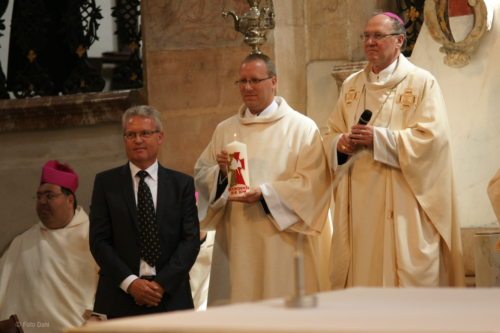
[{"x": 351, "y": 310}]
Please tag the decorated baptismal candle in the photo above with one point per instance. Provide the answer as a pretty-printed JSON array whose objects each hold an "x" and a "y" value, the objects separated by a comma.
[{"x": 237, "y": 172}]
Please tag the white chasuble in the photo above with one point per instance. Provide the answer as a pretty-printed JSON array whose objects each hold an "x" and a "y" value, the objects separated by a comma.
[{"x": 395, "y": 221}]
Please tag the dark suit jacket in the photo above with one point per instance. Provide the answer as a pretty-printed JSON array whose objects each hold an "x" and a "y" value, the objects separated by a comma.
[{"x": 114, "y": 240}]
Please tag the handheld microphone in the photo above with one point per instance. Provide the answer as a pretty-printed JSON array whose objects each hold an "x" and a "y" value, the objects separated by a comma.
[{"x": 365, "y": 117}]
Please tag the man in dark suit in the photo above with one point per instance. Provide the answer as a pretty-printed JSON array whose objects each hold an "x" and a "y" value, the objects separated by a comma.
[{"x": 144, "y": 229}]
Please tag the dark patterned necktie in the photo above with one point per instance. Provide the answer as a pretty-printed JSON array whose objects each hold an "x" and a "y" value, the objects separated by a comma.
[{"x": 148, "y": 227}]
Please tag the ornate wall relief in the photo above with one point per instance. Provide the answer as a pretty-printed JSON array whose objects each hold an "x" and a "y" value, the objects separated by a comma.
[{"x": 458, "y": 54}]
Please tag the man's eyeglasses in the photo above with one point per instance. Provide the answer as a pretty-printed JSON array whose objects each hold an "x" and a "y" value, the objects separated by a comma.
[
  {"x": 47, "y": 195},
  {"x": 252, "y": 82},
  {"x": 142, "y": 134},
  {"x": 376, "y": 36}
]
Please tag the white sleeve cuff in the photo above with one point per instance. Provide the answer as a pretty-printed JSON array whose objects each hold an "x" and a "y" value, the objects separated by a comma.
[
  {"x": 282, "y": 214},
  {"x": 126, "y": 283},
  {"x": 334, "y": 161},
  {"x": 221, "y": 201},
  {"x": 385, "y": 148}
]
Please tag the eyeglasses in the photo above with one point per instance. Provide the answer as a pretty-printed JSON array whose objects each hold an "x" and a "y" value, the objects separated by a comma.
[
  {"x": 142, "y": 134},
  {"x": 47, "y": 195},
  {"x": 376, "y": 36},
  {"x": 252, "y": 82}
]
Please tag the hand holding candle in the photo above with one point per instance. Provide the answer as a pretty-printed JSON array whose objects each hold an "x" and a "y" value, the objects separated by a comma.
[
  {"x": 238, "y": 178},
  {"x": 223, "y": 160}
]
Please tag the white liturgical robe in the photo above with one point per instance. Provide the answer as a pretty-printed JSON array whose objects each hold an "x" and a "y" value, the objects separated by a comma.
[
  {"x": 48, "y": 276},
  {"x": 395, "y": 221},
  {"x": 253, "y": 251}
]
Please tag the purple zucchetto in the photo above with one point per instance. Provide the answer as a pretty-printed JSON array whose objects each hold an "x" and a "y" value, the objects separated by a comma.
[
  {"x": 394, "y": 16},
  {"x": 54, "y": 172}
]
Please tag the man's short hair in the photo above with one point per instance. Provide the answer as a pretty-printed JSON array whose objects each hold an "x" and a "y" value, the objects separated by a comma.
[
  {"x": 271, "y": 67},
  {"x": 67, "y": 192},
  {"x": 145, "y": 111}
]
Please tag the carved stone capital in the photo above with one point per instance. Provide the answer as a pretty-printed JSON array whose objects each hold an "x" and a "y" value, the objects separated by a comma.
[{"x": 341, "y": 72}]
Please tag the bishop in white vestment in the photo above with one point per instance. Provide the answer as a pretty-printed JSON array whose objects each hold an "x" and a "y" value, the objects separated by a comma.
[
  {"x": 395, "y": 221},
  {"x": 48, "y": 276}
]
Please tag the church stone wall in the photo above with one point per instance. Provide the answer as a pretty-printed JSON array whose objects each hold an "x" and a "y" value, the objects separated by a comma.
[
  {"x": 192, "y": 56},
  {"x": 191, "y": 59},
  {"x": 87, "y": 149}
]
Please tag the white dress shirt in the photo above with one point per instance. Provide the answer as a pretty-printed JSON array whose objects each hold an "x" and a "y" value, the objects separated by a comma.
[{"x": 152, "y": 182}]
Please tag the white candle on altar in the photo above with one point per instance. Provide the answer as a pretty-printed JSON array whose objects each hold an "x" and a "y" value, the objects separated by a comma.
[{"x": 237, "y": 174}]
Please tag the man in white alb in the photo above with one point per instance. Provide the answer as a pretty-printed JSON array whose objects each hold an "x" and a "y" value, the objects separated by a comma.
[
  {"x": 48, "y": 276},
  {"x": 289, "y": 194},
  {"x": 395, "y": 222}
]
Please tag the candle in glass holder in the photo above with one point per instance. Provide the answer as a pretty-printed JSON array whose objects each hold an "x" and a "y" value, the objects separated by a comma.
[{"x": 237, "y": 172}]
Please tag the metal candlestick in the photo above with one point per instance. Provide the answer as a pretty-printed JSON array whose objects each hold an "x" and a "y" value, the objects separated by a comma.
[{"x": 300, "y": 299}]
